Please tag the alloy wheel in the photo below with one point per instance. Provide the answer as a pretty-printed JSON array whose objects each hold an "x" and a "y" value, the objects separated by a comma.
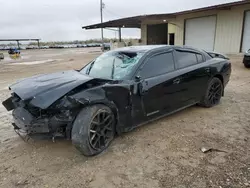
[
  {"x": 101, "y": 131},
  {"x": 215, "y": 93}
]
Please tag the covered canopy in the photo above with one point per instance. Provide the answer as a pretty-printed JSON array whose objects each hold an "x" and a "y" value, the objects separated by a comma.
[{"x": 135, "y": 21}]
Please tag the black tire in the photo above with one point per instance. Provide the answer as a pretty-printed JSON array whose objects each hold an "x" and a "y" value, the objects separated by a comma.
[
  {"x": 213, "y": 93},
  {"x": 93, "y": 129},
  {"x": 246, "y": 65}
]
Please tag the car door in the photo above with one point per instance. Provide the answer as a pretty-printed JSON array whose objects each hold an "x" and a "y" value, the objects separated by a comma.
[
  {"x": 156, "y": 81},
  {"x": 193, "y": 76}
]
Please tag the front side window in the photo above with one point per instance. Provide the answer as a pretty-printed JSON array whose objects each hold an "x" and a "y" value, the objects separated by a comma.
[
  {"x": 157, "y": 65},
  {"x": 185, "y": 59},
  {"x": 112, "y": 65}
]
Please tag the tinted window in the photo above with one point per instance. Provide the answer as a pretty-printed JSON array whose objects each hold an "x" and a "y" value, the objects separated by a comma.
[
  {"x": 199, "y": 58},
  {"x": 158, "y": 65},
  {"x": 185, "y": 59}
]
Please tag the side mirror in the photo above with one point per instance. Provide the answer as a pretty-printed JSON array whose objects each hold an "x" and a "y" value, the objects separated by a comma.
[
  {"x": 137, "y": 78},
  {"x": 138, "y": 85}
]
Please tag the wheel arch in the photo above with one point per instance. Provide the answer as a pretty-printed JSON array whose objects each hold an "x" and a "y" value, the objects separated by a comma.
[
  {"x": 81, "y": 129},
  {"x": 117, "y": 98}
]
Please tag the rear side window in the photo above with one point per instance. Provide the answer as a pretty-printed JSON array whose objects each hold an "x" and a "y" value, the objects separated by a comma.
[
  {"x": 157, "y": 65},
  {"x": 185, "y": 59},
  {"x": 199, "y": 58}
]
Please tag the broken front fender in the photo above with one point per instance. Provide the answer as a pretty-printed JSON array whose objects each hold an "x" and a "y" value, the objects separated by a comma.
[{"x": 117, "y": 97}]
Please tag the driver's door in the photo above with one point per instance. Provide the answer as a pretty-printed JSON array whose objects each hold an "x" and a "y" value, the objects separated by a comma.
[{"x": 155, "y": 85}]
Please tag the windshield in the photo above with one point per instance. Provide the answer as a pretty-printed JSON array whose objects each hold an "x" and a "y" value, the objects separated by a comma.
[{"x": 112, "y": 65}]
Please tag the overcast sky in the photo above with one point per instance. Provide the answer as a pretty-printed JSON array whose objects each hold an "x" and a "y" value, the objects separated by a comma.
[{"x": 61, "y": 20}]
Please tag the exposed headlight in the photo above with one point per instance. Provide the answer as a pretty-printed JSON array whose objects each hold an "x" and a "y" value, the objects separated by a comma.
[{"x": 65, "y": 103}]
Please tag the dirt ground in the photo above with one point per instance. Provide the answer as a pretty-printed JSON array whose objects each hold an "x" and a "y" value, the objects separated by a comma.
[{"x": 162, "y": 154}]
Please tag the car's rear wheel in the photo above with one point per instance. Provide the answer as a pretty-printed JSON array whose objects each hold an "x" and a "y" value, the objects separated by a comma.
[
  {"x": 93, "y": 129},
  {"x": 213, "y": 93}
]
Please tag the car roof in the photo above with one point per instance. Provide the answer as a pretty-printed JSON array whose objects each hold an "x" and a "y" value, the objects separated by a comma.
[
  {"x": 147, "y": 48},
  {"x": 144, "y": 48}
]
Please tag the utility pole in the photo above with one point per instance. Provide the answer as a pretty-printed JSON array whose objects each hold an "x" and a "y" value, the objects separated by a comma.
[{"x": 101, "y": 9}]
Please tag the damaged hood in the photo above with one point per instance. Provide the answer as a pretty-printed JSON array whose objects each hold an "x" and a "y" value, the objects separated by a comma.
[{"x": 44, "y": 90}]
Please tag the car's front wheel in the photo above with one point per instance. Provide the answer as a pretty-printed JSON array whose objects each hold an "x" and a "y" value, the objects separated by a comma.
[
  {"x": 93, "y": 129},
  {"x": 213, "y": 93}
]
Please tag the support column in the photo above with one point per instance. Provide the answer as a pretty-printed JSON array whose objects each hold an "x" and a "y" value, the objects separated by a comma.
[
  {"x": 120, "y": 34},
  {"x": 38, "y": 43},
  {"x": 18, "y": 45}
]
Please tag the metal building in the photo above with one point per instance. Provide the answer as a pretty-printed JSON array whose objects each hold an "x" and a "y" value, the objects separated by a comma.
[{"x": 223, "y": 28}]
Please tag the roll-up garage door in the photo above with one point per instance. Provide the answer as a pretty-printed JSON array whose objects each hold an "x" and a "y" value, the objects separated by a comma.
[
  {"x": 246, "y": 33},
  {"x": 200, "y": 32}
]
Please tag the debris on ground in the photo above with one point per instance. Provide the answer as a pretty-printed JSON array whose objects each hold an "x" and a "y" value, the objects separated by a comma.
[
  {"x": 206, "y": 150},
  {"x": 22, "y": 183}
]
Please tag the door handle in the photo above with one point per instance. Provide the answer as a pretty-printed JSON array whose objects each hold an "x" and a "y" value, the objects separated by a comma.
[
  {"x": 177, "y": 81},
  {"x": 207, "y": 70}
]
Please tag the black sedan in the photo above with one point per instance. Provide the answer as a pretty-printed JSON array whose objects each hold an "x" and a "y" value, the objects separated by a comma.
[
  {"x": 246, "y": 59},
  {"x": 115, "y": 93}
]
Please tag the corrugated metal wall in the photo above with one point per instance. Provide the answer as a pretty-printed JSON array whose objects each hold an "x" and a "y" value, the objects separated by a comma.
[{"x": 228, "y": 28}]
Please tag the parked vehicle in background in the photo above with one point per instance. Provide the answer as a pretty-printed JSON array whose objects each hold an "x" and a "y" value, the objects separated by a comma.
[
  {"x": 246, "y": 59},
  {"x": 31, "y": 47},
  {"x": 13, "y": 51},
  {"x": 90, "y": 45},
  {"x": 1, "y": 56},
  {"x": 115, "y": 93},
  {"x": 44, "y": 47},
  {"x": 106, "y": 47},
  {"x": 81, "y": 45},
  {"x": 56, "y": 46}
]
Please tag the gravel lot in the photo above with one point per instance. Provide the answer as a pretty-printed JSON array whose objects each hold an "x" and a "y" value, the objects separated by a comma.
[{"x": 162, "y": 154}]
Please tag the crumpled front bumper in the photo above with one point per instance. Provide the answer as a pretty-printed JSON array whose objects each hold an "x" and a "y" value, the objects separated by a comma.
[
  {"x": 26, "y": 122},
  {"x": 39, "y": 123}
]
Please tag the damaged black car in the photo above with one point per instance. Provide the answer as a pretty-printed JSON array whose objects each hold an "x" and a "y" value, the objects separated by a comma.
[{"x": 115, "y": 93}]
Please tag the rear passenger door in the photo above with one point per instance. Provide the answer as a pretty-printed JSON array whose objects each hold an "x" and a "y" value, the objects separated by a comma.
[{"x": 193, "y": 75}]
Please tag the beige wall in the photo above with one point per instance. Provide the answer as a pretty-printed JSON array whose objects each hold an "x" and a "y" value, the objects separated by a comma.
[
  {"x": 171, "y": 28},
  {"x": 228, "y": 28}
]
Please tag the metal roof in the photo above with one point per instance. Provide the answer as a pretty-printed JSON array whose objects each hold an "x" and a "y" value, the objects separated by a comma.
[
  {"x": 19, "y": 39},
  {"x": 135, "y": 21}
]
